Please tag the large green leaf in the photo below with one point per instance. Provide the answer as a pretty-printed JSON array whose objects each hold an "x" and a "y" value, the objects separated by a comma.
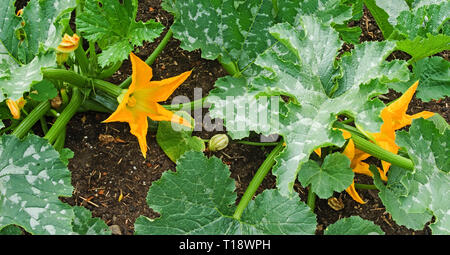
[
  {"x": 19, "y": 79},
  {"x": 41, "y": 25},
  {"x": 175, "y": 139},
  {"x": 333, "y": 175},
  {"x": 112, "y": 24},
  {"x": 413, "y": 198},
  {"x": 433, "y": 75},
  {"x": 32, "y": 177},
  {"x": 353, "y": 225},
  {"x": 24, "y": 42},
  {"x": 319, "y": 89},
  {"x": 422, "y": 47},
  {"x": 310, "y": 125},
  {"x": 45, "y": 22},
  {"x": 199, "y": 199},
  {"x": 236, "y": 33},
  {"x": 221, "y": 29}
]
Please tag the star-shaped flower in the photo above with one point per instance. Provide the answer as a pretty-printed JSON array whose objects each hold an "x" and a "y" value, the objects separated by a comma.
[{"x": 140, "y": 101}]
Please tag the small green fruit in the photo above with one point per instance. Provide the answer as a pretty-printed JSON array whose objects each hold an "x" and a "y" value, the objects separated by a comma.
[{"x": 218, "y": 142}]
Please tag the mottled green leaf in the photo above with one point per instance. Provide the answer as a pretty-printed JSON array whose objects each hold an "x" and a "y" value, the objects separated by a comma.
[
  {"x": 433, "y": 75},
  {"x": 333, "y": 175},
  {"x": 84, "y": 224},
  {"x": 353, "y": 225},
  {"x": 175, "y": 139},
  {"x": 32, "y": 177},
  {"x": 112, "y": 24},
  {"x": 40, "y": 26},
  {"x": 223, "y": 31},
  {"x": 21, "y": 78},
  {"x": 199, "y": 199},
  {"x": 318, "y": 87}
]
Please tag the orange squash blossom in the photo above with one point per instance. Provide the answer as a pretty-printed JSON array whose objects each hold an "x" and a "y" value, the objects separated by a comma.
[
  {"x": 140, "y": 101},
  {"x": 394, "y": 117}
]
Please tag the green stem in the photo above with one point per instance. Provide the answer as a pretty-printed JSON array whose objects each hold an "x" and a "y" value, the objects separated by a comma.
[
  {"x": 380, "y": 153},
  {"x": 22, "y": 129},
  {"x": 81, "y": 81},
  {"x": 44, "y": 125},
  {"x": 257, "y": 143},
  {"x": 59, "y": 143},
  {"x": 311, "y": 200},
  {"x": 152, "y": 57},
  {"x": 197, "y": 104},
  {"x": 257, "y": 180},
  {"x": 375, "y": 150},
  {"x": 65, "y": 116},
  {"x": 107, "y": 87},
  {"x": 365, "y": 186}
]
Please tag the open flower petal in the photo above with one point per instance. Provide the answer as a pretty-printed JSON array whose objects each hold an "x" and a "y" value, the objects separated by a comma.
[{"x": 140, "y": 101}]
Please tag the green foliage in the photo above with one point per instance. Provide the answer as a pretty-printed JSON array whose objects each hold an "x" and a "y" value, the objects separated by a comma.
[
  {"x": 353, "y": 225},
  {"x": 414, "y": 198},
  {"x": 112, "y": 25},
  {"x": 319, "y": 88},
  {"x": 203, "y": 200},
  {"x": 22, "y": 57},
  {"x": 433, "y": 75},
  {"x": 175, "y": 139},
  {"x": 43, "y": 90},
  {"x": 84, "y": 224},
  {"x": 32, "y": 177},
  {"x": 334, "y": 174}
]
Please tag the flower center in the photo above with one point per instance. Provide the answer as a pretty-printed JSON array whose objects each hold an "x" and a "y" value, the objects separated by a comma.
[{"x": 131, "y": 101}]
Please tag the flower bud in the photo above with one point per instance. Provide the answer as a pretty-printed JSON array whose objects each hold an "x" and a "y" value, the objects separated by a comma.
[
  {"x": 68, "y": 43},
  {"x": 218, "y": 142},
  {"x": 14, "y": 108}
]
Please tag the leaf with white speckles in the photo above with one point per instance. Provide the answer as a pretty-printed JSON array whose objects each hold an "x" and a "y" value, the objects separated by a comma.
[
  {"x": 113, "y": 26},
  {"x": 319, "y": 88},
  {"x": 25, "y": 41},
  {"x": 32, "y": 177},
  {"x": 199, "y": 199},
  {"x": 414, "y": 197},
  {"x": 84, "y": 224}
]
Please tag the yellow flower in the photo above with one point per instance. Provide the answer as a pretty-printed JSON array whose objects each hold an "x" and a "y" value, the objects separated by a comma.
[
  {"x": 15, "y": 107},
  {"x": 19, "y": 12},
  {"x": 68, "y": 43},
  {"x": 394, "y": 117},
  {"x": 140, "y": 101}
]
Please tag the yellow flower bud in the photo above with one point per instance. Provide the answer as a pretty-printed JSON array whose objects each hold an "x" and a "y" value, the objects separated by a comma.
[
  {"x": 13, "y": 108},
  {"x": 68, "y": 43}
]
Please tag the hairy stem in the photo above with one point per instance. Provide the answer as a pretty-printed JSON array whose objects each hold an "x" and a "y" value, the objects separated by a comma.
[
  {"x": 65, "y": 116},
  {"x": 37, "y": 113},
  {"x": 257, "y": 180}
]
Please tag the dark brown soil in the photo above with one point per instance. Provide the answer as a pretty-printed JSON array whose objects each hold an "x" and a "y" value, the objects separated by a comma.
[{"x": 102, "y": 169}]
